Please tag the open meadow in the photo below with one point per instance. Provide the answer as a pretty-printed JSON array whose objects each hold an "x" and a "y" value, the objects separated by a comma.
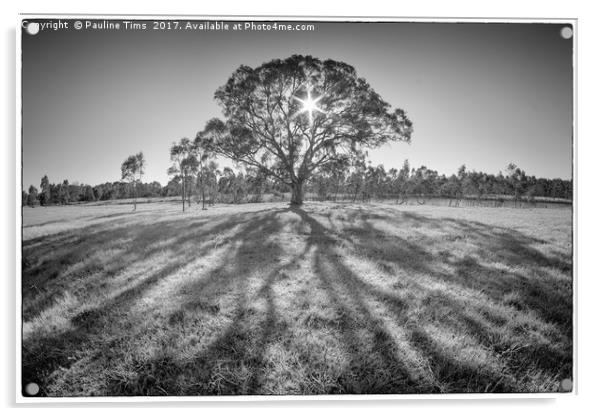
[{"x": 270, "y": 299}]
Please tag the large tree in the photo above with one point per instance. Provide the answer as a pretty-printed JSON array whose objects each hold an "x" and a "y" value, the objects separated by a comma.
[{"x": 290, "y": 117}]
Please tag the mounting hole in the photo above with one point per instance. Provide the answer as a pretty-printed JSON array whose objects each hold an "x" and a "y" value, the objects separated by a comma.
[
  {"x": 566, "y": 384},
  {"x": 566, "y": 32},
  {"x": 33, "y": 28},
  {"x": 32, "y": 389}
]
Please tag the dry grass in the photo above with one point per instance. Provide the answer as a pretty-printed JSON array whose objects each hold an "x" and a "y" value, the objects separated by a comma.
[{"x": 264, "y": 299}]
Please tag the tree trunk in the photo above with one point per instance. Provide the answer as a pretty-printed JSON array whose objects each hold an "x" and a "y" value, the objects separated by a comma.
[
  {"x": 297, "y": 193},
  {"x": 135, "y": 195},
  {"x": 183, "y": 193},
  {"x": 201, "y": 180}
]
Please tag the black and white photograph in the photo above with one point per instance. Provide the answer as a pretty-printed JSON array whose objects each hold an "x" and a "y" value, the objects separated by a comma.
[{"x": 295, "y": 207}]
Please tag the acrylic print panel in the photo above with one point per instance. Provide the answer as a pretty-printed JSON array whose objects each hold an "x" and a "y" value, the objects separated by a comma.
[{"x": 292, "y": 208}]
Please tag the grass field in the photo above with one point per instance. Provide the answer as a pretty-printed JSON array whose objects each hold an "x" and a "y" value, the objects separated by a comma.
[{"x": 267, "y": 299}]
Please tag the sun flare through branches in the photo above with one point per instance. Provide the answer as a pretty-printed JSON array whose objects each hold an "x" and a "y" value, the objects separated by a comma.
[{"x": 309, "y": 104}]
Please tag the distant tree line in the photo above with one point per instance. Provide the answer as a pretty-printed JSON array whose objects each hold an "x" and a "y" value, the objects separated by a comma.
[
  {"x": 63, "y": 193},
  {"x": 362, "y": 181},
  {"x": 220, "y": 186},
  {"x": 197, "y": 182}
]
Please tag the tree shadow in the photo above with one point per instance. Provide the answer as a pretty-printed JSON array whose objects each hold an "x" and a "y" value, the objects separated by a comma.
[
  {"x": 42, "y": 355},
  {"x": 549, "y": 297},
  {"x": 375, "y": 366},
  {"x": 494, "y": 245},
  {"x": 46, "y": 260},
  {"x": 239, "y": 295},
  {"x": 233, "y": 362}
]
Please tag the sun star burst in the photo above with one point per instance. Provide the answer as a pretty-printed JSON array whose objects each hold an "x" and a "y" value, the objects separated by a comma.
[{"x": 309, "y": 104}]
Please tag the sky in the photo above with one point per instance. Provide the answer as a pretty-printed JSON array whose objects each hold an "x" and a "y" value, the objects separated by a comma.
[{"x": 480, "y": 94}]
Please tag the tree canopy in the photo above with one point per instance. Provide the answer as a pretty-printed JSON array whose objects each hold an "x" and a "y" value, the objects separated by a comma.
[
  {"x": 290, "y": 117},
  {"x": 132, "y": 166}
]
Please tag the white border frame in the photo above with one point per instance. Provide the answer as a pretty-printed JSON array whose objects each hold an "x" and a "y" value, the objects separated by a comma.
[{"x": 20, "y": 399}]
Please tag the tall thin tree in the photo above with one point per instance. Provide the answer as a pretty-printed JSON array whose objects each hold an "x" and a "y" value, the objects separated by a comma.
[
  {"x": 133, "y": 166},
  {"x": 203, "y": 154},
  {"x": 184, "y": 162},
  {"x": 44, "y": 195}
]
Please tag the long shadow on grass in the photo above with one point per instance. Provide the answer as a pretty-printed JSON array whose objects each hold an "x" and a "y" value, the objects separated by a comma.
[
  {"x": 380, "y": 368},
  {"x": 532, "y": 288},
  {"x": 376, "y": 366},
  {"x": 43, "y": 355},
  {"x": 46, "y": 260},
  {"x": 548, "y": 296},
  {"x": 234, "y": 361}
]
